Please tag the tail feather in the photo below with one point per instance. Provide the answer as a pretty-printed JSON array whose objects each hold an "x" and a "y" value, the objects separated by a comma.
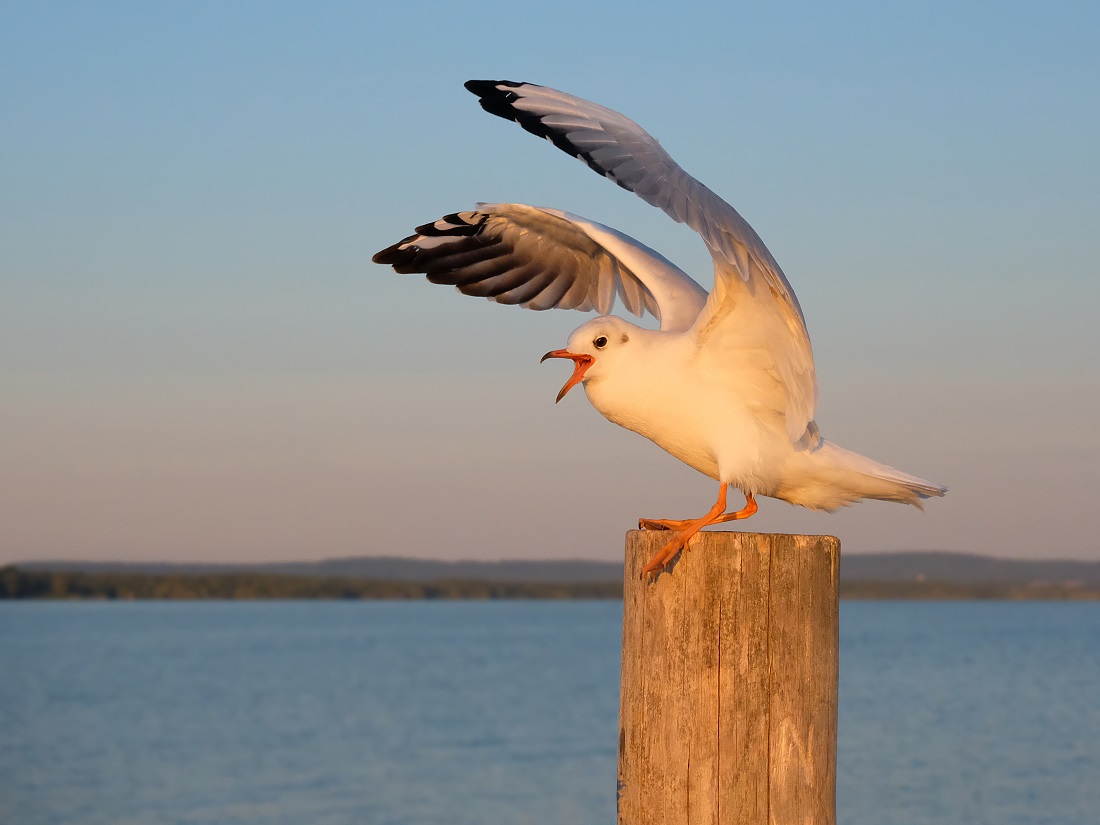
[{"x": 834, "y": 477}]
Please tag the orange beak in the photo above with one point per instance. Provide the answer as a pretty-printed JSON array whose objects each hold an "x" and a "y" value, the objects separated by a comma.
[{"x": 583, "y": 362}]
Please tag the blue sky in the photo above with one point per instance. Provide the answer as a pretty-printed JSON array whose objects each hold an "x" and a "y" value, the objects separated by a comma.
[{"x": 199, "y": 362}]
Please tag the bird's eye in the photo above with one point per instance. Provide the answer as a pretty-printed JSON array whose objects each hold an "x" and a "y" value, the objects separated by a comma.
[{"x": 600, "y": 342}]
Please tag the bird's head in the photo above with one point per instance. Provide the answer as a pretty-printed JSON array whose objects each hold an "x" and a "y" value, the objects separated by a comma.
[{"x": 594, "y": 347}]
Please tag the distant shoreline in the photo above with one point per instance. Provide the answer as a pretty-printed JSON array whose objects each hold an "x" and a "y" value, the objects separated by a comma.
[{"x": 19, "y": 584}]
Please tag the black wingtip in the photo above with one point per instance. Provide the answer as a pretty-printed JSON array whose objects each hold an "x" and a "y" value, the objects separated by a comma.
[
  {"x": 400, "y": 253},
  {"x": 496, "y": 96},
  {"x": 386, "y": 256},
  {"x": 480, "y": 87},
  {"x": 491, "y": 88}
]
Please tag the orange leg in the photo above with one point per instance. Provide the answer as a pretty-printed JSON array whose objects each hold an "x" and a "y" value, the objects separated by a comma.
[
  {"x": 675, "y": 524},
  {"x": 690, "y": 528}
]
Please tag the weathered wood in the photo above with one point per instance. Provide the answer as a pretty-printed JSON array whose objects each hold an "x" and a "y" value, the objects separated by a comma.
[{"x": 729, "y": 683}]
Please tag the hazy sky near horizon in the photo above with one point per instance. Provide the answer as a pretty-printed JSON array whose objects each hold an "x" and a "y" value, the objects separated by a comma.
[{"x": 198, "y": 362}]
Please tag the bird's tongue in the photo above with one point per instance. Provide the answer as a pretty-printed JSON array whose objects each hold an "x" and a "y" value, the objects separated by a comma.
[{"x": 583, "y": 362}]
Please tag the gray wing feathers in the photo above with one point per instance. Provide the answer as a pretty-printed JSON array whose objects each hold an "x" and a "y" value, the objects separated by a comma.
[
  {"x": 621, "y": 150},
  {"x": 516, "y": 254}
]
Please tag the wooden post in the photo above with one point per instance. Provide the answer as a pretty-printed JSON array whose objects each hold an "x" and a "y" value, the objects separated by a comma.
[{"x": 729, "y": 685}]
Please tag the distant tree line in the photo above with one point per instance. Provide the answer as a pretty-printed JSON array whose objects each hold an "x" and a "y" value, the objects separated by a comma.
[
  {"x": 968, "y": 591},
  {"x": 39, "y": 584},
  {"x": 35, "y": 584}
]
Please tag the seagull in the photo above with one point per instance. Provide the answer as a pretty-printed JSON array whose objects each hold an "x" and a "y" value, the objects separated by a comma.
[{"x": 726, "y": 383}]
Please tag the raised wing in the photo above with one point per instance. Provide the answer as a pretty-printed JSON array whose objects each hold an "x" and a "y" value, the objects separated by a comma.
[
  {"x": 621, "y": 150},
  {"x": 543, "y": 259}
]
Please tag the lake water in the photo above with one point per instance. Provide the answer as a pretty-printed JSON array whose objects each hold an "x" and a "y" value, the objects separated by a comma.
[{"x": 479, "y": 713}]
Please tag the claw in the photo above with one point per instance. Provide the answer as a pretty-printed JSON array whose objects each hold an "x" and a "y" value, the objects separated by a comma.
[
  {"x": 664, "y": 556},
  {"x": 687, "y": 529},
  {"x": 661, "y": 524}
]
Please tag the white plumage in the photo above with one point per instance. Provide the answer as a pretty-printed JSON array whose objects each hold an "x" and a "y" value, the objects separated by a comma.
[{"x": 727, "y": 383}]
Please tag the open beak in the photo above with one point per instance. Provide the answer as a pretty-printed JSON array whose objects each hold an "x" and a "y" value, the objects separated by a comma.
[{"x": 583, "y": 362}]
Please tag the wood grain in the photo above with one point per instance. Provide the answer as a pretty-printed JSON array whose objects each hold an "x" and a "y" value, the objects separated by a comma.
[{"x": 729, "y": 683}]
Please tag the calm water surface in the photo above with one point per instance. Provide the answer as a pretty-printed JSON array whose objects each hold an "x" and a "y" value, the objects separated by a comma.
[{"x": 506, "y": 712}]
